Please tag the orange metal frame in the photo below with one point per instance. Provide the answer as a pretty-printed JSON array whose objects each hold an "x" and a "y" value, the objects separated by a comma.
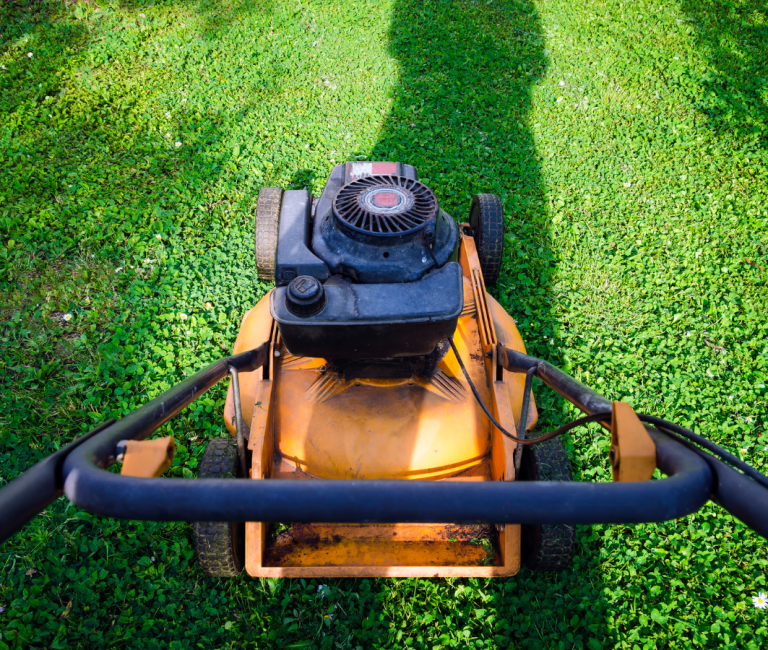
[{"x": 307, "y": 422}]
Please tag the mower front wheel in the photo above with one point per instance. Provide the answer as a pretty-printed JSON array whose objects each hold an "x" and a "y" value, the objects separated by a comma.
[
  {"x": 547, "y": 547},
  {"x": 219, "y": 546}
]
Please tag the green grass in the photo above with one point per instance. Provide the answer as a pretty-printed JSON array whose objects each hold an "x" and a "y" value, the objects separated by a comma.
[{"x": 636, "y": 258}]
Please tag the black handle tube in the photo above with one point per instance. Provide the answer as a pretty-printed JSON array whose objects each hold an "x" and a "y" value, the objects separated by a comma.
[
  {"x": 140, "y": 423},
  {"x": 578, "y": 394},
  {"x": 28, "y": 494},
  {"x": 686, "y": 490},
  {"x": 744, "y": 498},
  {"x": 741, "y": 496}
]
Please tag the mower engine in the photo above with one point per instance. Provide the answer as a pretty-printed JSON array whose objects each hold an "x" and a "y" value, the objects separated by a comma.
[{"x": 364, "y": 274}]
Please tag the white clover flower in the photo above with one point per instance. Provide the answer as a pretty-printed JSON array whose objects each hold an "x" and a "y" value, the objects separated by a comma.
[
  {"x": 760, "y": 601},
  {"x": 561, "y": 83},
  {"x": 143, "y": 16},
  {"x": 676, "y": 58},
  {"x": 178, "y": 144},
  {"x": 628, "y": 184},
  {"x": 118, "y": 269},
  {"x": 559, "y": 99},
  {"x": 67, "y": 317},
  {"x": 183, "y": 316},
  {"x": 153, "y": 558},
  {"x": 29, "y": 55}
]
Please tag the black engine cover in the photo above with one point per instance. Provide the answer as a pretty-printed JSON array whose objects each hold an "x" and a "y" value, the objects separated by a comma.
[{"x": 376, "y": 254}]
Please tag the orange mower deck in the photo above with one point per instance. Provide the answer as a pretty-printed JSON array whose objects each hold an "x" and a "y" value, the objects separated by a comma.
[{"x": 308, "y": 422}]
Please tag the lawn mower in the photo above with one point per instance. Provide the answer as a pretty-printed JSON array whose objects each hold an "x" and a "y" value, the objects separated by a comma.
[{"x": 381, "y": 414}]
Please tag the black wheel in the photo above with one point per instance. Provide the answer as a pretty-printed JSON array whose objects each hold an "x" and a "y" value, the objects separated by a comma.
[
  {"x": 547, "y": 547},
  {"x": 486, "y": 218},
  {"x": 267, "y": 221},
  {"x": 220, "y": 546}
]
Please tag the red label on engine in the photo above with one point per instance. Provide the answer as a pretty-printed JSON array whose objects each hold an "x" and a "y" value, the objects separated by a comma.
[
  {"x": 356, "y": 170},
  {"x": 384, "y": 199},
  {"x": 384, "y": 168}
]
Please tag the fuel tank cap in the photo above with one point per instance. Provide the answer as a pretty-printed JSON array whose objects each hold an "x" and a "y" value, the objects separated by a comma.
[{"x": 305, "y": 296}]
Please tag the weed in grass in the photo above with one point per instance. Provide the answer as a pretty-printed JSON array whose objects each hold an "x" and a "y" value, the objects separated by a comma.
[{"x": 636, "y": 258}]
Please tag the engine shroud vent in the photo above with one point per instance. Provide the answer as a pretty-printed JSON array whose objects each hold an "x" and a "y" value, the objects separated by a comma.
[{"x": 385, "y": 205}]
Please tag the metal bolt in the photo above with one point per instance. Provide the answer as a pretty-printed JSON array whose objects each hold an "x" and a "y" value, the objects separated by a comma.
[{"x": 120, "y": 451}]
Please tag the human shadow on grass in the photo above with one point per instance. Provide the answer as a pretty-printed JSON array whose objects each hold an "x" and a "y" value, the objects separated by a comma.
[{"x": 460, "y": 115}]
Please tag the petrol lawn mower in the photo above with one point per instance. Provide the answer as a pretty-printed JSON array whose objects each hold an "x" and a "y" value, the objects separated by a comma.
[{"x": 380, "y": 406}]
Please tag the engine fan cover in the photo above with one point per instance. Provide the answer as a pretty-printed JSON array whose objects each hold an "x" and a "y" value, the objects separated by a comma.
[
  {"x": 385, "y": 206},
  {"x": 379, "y": 228}
]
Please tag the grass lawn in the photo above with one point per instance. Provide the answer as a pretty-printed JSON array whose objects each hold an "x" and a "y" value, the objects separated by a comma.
[{"x": 628, "y": 142}]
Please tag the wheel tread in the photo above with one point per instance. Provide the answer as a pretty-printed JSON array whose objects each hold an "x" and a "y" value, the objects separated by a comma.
[
  {"x": 265, "y": 230},
  {"x": 214, "y": 540},
  {"x": 553, "y": 545},
  {"x": 487, "y": 219}
]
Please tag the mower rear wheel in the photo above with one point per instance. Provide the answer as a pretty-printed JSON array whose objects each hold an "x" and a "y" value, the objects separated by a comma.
[
  {"x": 220, "y": 546},
  {"x": 547, "y": 547},
  {"x": 267, "y": 220},
  {"x": 486, "y": 219}
]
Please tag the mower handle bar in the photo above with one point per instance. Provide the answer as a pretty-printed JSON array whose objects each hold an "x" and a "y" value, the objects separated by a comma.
[{"x": 78, "y": 471}]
